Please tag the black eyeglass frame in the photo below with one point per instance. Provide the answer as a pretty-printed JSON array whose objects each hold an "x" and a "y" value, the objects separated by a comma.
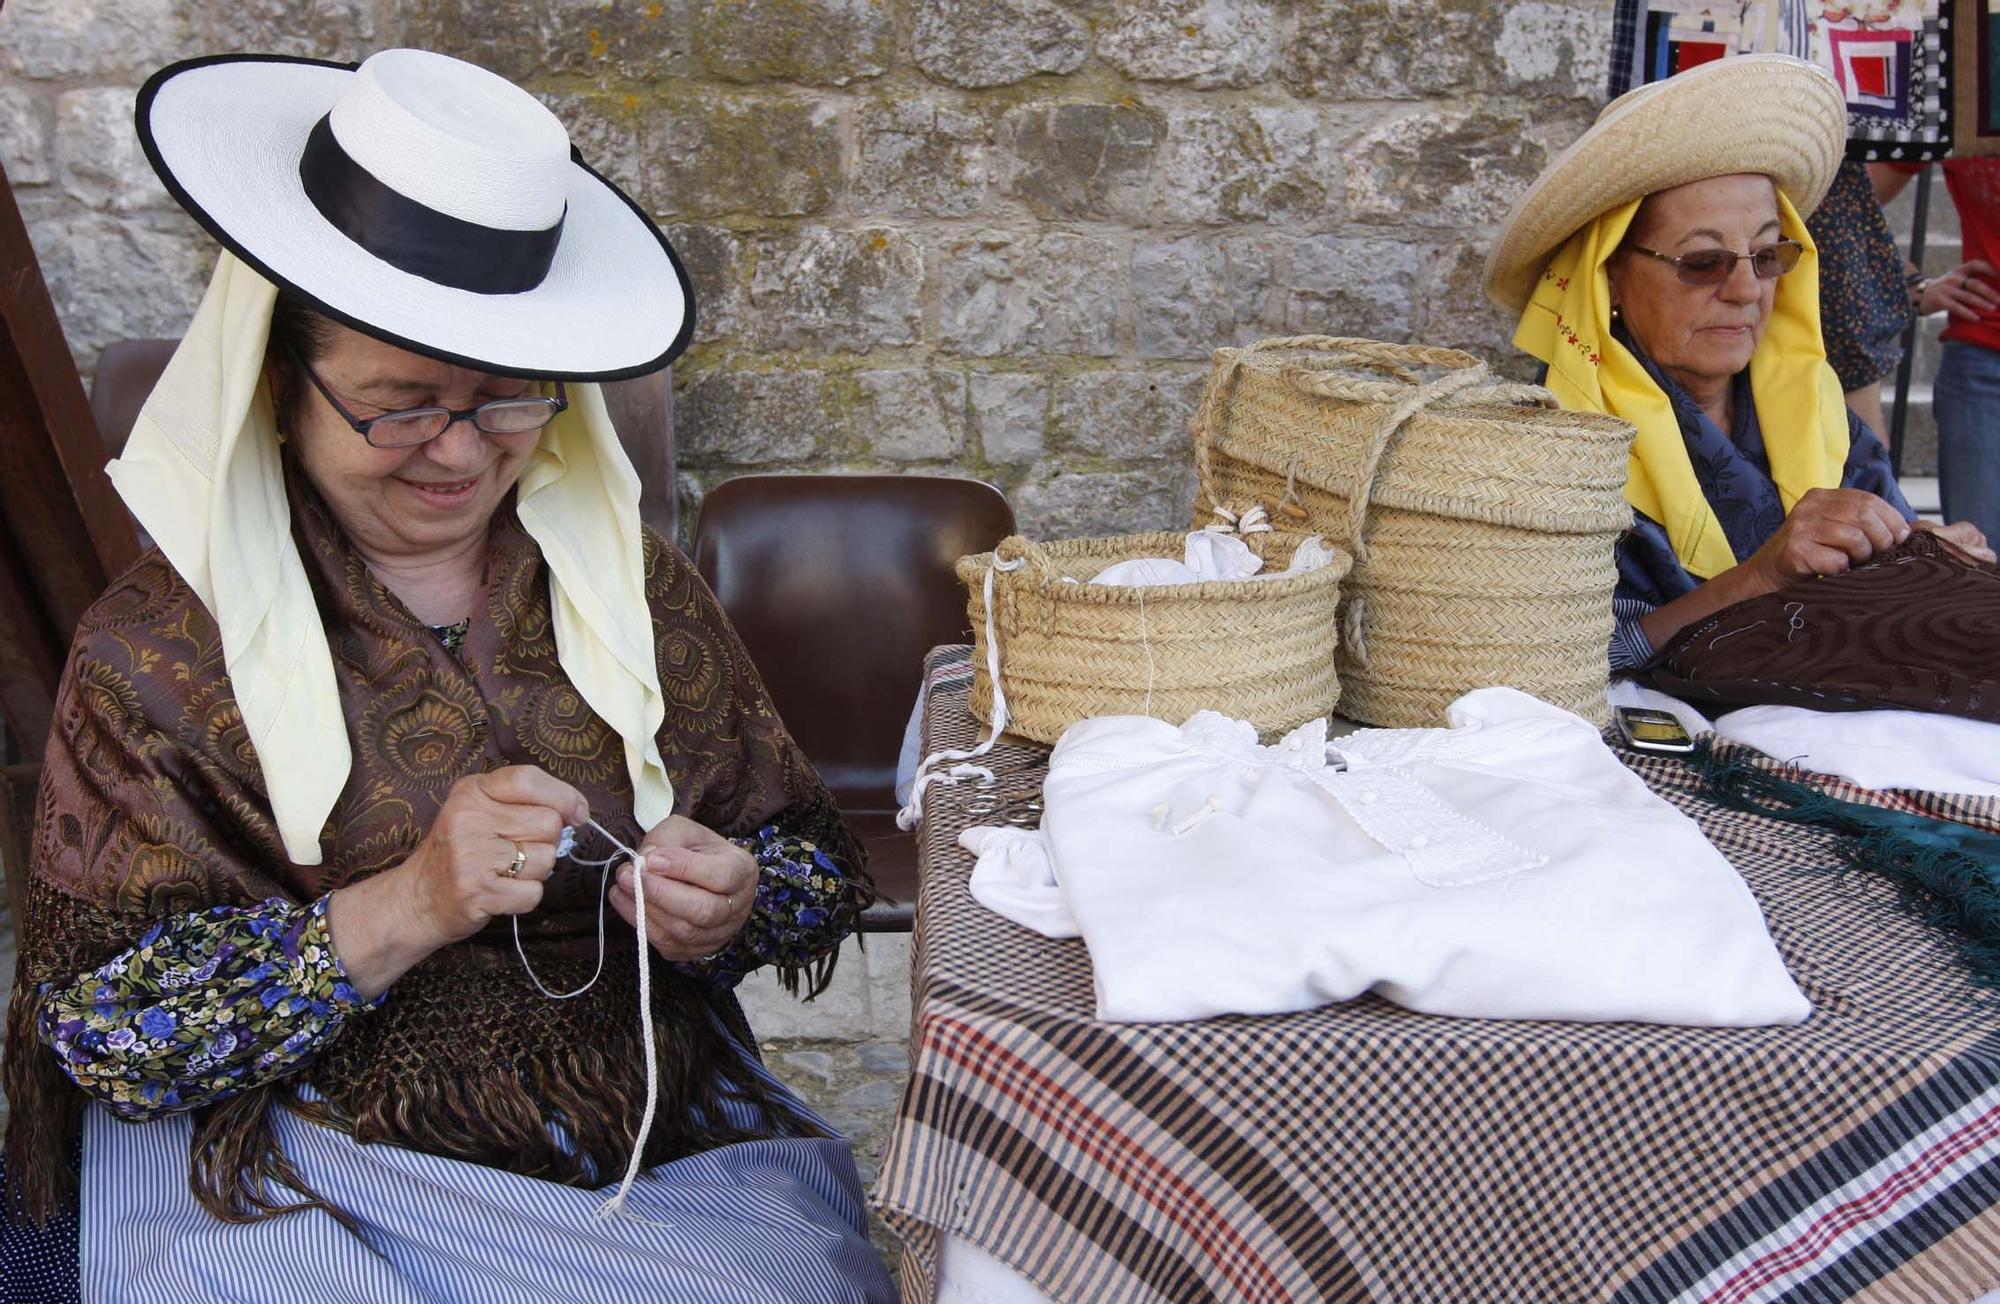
[
  {"x": 1777, "y": 250},
  {"x": 556, "y": 407}
]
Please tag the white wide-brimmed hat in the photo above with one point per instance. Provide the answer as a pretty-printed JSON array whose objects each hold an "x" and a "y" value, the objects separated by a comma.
[
  {"x": 1757, "y": 113},
  {"x": 425, "y": 201}
]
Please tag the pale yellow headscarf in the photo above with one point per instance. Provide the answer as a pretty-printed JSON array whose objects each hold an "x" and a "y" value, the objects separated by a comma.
[
  {"x": 203, "y": 474},
  {"x": 1567, "y": 324}
]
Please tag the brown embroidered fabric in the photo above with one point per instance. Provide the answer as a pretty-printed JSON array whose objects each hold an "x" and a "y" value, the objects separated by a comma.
[
  {"x": 1916, "y": 628},
  {"x": 153, "y": 804}
]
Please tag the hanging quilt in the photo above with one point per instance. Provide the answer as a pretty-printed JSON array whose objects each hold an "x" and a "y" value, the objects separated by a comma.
[{"x": 1891, "y": 58}]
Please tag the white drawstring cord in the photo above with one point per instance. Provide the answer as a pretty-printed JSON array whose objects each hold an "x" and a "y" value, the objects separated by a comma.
[
  {"x": 908, "y": 817},
  {"x": 616, "y": 1204}
]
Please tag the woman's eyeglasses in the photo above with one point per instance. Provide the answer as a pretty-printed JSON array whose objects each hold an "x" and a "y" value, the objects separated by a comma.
[
  {"x": 413, "y": 426},
  {"x": 1714, "y": 266}
]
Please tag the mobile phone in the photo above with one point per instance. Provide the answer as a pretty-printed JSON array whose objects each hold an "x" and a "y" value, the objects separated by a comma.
[{"x": 1653, "y": 731}]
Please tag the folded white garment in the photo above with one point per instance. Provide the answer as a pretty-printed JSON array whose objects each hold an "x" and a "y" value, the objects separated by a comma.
[
  {"x": 1506, "y": 867},
  {"x": 1876, "y": 749}
]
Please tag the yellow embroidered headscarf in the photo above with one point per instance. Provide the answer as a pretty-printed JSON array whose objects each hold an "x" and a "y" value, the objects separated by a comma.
[
  {"x": 203, "y": 474},
  {"x": 1567, "y": 324}
]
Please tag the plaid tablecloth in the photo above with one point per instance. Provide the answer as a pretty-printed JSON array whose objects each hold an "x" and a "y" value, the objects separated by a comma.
[{"x": 1365, "y": 1151}]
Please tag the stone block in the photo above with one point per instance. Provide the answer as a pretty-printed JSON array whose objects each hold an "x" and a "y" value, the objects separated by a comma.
[
  {"x": 706, "y": 156},
  {"x": 132, "y": 276},
  {"x": 1009, "y": 411},
  {"x": 525, "y": 40},
  {"x": 1198, "y": 294},
  {"x": 1341, "y": 285},
  {"x": 95, "y": 39},
  {"x": 713, "y": 257},
  {"x": 609, "y": 131},
  {"x": 1126, "y": 415},
  {"x": 818, "y": 42},
  {"x": 24, "y": 136},
  {"x": 886, "y": 960},
  {"x": 1459, "y": 316},
  {"x": 749, "y": 418},
  {"x": 908, "y": 414},
  {"x": 1206, "y": 43},
  {"x": 1082, "y": 160},
  {"x": 1246, "y": 165},
  {"x": 840, "y": 1013},
  {"x": 891, "y": 1057},
  {"x": 316, "y": 29},
  {"x": 1390, "y": 49},
  {"x": 97, "y": 153},
  {"x": 1556, "y": 48},
  {"x": 1062, "y": 504},
  {"x": 921, "y": 159},
  {"x": 1053, "y": 293},
  {"x": 1458, "y": 167},
  {"x": 976, "y": 43},
  {"x": 841, "y": 291}
]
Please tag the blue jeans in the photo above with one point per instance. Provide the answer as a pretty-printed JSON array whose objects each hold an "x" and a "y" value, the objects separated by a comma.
[{"x": 1966, "y": 400}]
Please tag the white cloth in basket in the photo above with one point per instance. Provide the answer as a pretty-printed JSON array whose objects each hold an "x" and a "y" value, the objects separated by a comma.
[
  {"x": 1506, "y": 867},
  {"x": 1213, "y": 555}
]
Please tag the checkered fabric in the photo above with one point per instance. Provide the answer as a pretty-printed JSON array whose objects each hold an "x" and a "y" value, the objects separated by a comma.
[
  {"x": 1979, "y": 812},
  {"x": 1366, "y": 1151}
]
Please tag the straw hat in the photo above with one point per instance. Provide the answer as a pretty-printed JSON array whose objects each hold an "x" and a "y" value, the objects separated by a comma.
[
  {"x": 425, "y": 201},
  {"x": 1761, "y": 113}
]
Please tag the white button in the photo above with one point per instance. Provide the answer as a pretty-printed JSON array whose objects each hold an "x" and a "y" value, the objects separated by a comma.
[
  {"x": 1367, "y": 798},
  {"x": 1420, "y": 841}
]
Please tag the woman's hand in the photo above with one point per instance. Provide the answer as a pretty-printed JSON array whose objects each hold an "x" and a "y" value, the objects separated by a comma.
[
  {"x": 458, "y": 880},
  {"x": 1828, "y": 531},
  {"x": 700, "y": 888},
  {"x": 1965, "y": 536},
  {"x": 1966, "y": 292}
]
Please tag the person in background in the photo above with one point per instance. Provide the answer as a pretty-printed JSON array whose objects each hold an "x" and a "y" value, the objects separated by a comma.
[
  {"x": 1965, "y": 395},
  {"x": 1864, "y": 306},
  {"x": 1661, "y": 266}
]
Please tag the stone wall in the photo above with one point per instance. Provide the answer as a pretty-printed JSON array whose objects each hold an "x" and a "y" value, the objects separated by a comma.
[{"x": 995, "y": 237}]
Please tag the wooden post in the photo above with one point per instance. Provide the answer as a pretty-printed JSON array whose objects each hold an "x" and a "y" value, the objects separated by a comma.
[{"x": 64, "y": 532}]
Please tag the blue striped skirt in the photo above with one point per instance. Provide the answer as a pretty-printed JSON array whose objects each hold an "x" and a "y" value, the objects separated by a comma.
[{"x": 778, "y": 1221}]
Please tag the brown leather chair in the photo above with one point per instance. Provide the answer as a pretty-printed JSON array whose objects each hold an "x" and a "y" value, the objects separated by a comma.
[
  {"x": 839, "y": 584},
  {"x": 642, "y": 412}
]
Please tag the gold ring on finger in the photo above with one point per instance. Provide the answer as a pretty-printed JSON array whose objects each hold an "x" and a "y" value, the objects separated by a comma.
[{"x": 520, "y": 858}]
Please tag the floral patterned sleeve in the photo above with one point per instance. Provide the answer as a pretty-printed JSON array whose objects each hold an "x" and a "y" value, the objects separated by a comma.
[
  {"x": 804, "y": 908},
  {"x": 205, "y": 1005}
]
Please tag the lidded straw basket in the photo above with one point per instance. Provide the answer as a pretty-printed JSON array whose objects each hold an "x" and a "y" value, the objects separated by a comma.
[
  {"x": 1259, "y": 649},
  {"x": 1482, "y": 518}
]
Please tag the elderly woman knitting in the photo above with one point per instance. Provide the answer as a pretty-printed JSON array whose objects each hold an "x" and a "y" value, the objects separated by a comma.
[
  {"x": 1662, "y": 270},
  {"x": 315, "y": 962}
]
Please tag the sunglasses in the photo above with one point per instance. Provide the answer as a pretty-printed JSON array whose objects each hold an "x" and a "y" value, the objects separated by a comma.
[{"x": 1714, "y": 266}]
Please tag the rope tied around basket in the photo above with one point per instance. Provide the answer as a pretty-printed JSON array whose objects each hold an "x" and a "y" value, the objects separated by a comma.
[
  {"x": 907, "y": 818},
  {"x": 1423, "y": 396}
]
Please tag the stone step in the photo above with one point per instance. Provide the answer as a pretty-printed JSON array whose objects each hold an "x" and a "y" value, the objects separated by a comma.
[{"x": 1919, "y": 430}]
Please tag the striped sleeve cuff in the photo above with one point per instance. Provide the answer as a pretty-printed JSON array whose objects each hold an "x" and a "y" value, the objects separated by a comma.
[{"x": 1630, "y": 648}]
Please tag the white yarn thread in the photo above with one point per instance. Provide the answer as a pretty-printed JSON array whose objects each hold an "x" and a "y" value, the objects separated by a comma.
[
  {"x": 615, "y": 1206},
  {"x": 567, "y": 845},
  {"x": 908, "y": 817}
]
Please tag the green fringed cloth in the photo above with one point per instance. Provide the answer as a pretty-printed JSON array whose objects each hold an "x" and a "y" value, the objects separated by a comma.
[{"x": 1946, "y": 873}]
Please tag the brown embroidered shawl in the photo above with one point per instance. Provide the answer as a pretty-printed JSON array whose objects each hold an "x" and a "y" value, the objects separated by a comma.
[
  {"x": 153, "y": 804},
  {"x": 1915, "y": 628}
]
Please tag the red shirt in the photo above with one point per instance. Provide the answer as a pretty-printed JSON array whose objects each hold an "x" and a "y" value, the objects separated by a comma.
[{"x": 1975, "y": 192}]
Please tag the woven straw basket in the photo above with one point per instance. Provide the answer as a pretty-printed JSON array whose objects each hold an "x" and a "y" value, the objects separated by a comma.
[
  {"x": 1482, "y": 519},
  {"x": 1261, "y": 650}
]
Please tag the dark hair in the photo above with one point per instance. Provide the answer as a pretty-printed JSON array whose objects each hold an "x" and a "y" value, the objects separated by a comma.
[{"x": 297, "y": 332}]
